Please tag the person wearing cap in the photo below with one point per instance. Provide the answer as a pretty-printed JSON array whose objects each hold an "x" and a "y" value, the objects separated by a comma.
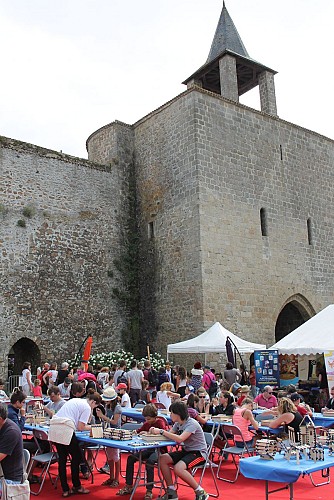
[
  {"x": 266, "y": 400},
  {"x": 302, "y": 408},
  {"x": 113, "y": 418},
  {"x": 125, "y": 398},
  {"x": 244, "y": 393}
]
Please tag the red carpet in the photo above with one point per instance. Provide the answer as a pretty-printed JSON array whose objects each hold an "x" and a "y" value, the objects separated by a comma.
[{"x": 247, "y": 489}]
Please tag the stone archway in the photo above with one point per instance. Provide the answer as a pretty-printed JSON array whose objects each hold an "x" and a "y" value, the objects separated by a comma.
[
  {"x": 25, "y": 350},
  {"x": 294, "y": 313}
]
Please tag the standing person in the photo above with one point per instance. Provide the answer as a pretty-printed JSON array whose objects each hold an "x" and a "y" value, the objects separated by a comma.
[
  {"x": 188, "y": 433},
  {"x": 151, "y": 375},
  {"x": 113, "y": 417},
  {"x": 135, "y": 378},
  {"x": 78, "y": 411},
  {"x": 196, "y": 376},
  {"x": 252, "y": 381},
  {"x": 181, "y": 381},
  {"x": 2, "y": 392},
  {"x": 243, "y": 418},
  {"x": 27, "y": 385},
  {"x": 11, "y": 449},
  {"x": 144, "y": 393},
  {"x": 266, "y": 400},
  {"x": 244, "y": 375},
  {"x": 162, "y": 377},
  {"x": 232, "y": 374},
  {"x": 323, "y": 384},
  {"x": 37, "y": 389},
  {"x": 62, "y": 373},
  {"x": 51, "y": 376},
  {"x": 125, "y": 399},
  {"x": 120, "y": 375},
  {"x": 209, "y": 381},
  {"x": 44, "y": 371}
]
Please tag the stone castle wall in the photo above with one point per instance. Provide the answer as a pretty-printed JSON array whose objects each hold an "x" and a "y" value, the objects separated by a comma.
[
  {"x": 57, "y": 273},
  {"x": 205, "y": 168}
]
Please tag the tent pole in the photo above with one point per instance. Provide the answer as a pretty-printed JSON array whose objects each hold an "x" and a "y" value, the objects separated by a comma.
[{"x": 205, "y": 359}]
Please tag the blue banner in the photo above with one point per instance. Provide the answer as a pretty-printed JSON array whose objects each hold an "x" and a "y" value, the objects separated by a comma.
[{"x": 266, "y": 368}]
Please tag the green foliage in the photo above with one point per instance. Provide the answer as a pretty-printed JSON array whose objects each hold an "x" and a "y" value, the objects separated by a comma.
[
  {"x": 21, "y": 223},
  {"x": 110, "y": 358},
  {"x": 127, "y": 266},
  {"x": 28, "y": 211}
]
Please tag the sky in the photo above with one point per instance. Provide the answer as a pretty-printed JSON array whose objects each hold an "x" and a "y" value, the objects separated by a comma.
[{"x": 68, "y": 67}]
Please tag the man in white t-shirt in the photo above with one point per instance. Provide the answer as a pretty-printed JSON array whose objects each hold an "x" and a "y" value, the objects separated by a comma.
[{"x": 80, "y": 412}]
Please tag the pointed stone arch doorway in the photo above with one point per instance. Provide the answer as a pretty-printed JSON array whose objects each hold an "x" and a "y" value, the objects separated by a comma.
[
  {"x": 294, "y": 313},
  {"x": 24, "y": 350}
]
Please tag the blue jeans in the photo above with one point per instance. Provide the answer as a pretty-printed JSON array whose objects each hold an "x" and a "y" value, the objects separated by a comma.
[{"x": 240, "y": 444}]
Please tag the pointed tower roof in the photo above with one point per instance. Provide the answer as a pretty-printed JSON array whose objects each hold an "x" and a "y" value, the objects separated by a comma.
[
  {"x": 227, "y": 41},
  {"x": 226, "y": 38}
]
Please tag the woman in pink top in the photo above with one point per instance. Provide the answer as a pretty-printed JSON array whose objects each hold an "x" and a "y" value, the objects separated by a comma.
[{"x": 243, "y": 418}]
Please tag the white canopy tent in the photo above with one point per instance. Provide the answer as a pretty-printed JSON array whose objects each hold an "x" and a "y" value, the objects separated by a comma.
[
  {"x": 316, "y": 336},
  {"x": 213, "y": 340}
]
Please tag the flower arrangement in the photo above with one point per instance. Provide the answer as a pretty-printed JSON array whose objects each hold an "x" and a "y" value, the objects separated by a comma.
[{"x": 110, "y": 358}]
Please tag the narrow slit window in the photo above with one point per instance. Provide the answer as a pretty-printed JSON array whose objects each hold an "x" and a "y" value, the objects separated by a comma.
[
  {"x": 309, "y": 231},
  {"x": 281, "y": 151},
  {"x": 150, "y": 230},
  {"x": 264, "y": 222}
]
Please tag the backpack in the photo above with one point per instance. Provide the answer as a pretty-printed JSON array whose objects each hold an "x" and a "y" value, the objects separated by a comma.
[
  {"x": 152, "y": 377},
  {"x": 212, "y": 391},
  {"x": 121, "y": 379}
]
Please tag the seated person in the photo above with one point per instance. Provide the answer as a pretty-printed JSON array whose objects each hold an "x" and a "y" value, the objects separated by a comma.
[
  {"x": 225, "y": 405},
  {"x": 188, "y": 433},
  {"x": 330, "y": 402},
  {"x": 165, "y": 395},
  {"x": 192, "y": 404},
  {"x": 2, "y": 392},
  {"x": 11, "y": 448},
  {"x": 243, "y": 418},
  {"x": 56, "y": 401},
  {"x": 150, "y": 413},
  {"x": 287, "y": 416},
  {"x": 204, "y": 400},
  {"x": 266, "y": 400},
  {"x": 243, "y": 393},
  {"x": 303, "y": 408}
]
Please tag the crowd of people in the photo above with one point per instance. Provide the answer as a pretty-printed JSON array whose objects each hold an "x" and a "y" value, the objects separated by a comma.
[{"x": 82, "y": 396}]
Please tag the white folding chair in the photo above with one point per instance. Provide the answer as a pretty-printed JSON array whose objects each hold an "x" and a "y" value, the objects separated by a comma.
[{"x": 44, "y": 459}]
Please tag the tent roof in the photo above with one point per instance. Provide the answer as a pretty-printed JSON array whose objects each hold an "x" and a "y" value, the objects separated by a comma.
[
  {"x": 213, "y": 340},
  {"x": 315, "y": 336}
]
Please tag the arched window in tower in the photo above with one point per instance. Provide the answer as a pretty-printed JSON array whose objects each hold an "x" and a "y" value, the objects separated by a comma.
[
  {"x": 309, "y": 231},
  {"x": 264, "y": 222}
]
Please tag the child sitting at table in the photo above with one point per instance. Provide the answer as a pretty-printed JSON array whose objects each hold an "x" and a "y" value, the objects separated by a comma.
[
  {"x": 37, "y": 389},
  {"x": 189, "y": 433},
  {"x": 150, "y": 413},
  {"x": 113, "y": 417}
]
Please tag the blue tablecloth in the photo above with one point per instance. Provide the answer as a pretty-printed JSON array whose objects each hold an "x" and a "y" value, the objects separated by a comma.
[
  {"x": 319, "y": 419},
  {"x": 281, "y": 470},
  {"x": 138, "y": 415}
]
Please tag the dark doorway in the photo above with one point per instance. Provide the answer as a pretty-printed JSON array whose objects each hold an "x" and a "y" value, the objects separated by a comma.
[
  {"x": 291, "y": 316},
  {"x": 24, "y": 350}
]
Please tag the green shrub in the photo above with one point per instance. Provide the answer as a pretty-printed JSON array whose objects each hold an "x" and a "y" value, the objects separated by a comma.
[
  {"x": 110, "y": 358},
  {"x": 21, "y": 223}
]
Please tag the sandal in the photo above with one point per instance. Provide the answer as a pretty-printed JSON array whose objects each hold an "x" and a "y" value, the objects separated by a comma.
[
  {"x": 127, "y": 490},
  {"x": 114, "y": 484},
  {"x": 81, "y": 491},
  {"x": 86, "y": 475},
  {"x": 107, "y": 482}
]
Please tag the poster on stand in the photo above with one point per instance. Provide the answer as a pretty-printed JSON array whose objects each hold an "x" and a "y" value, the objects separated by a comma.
[
  {"x": 329, "y": 364},
  {"x": 266, "y": 368},
  {"x": 288, "y": 367}
]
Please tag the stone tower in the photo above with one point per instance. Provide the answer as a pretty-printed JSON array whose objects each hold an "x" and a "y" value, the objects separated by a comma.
[{"x": 234, "y": 205}]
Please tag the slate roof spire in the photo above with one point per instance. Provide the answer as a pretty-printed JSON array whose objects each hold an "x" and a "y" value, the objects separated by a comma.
[{"x": 226, "y": 38}]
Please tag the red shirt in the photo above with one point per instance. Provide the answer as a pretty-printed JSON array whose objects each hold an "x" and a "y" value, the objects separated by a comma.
[{"x": 160, "y": 423}]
